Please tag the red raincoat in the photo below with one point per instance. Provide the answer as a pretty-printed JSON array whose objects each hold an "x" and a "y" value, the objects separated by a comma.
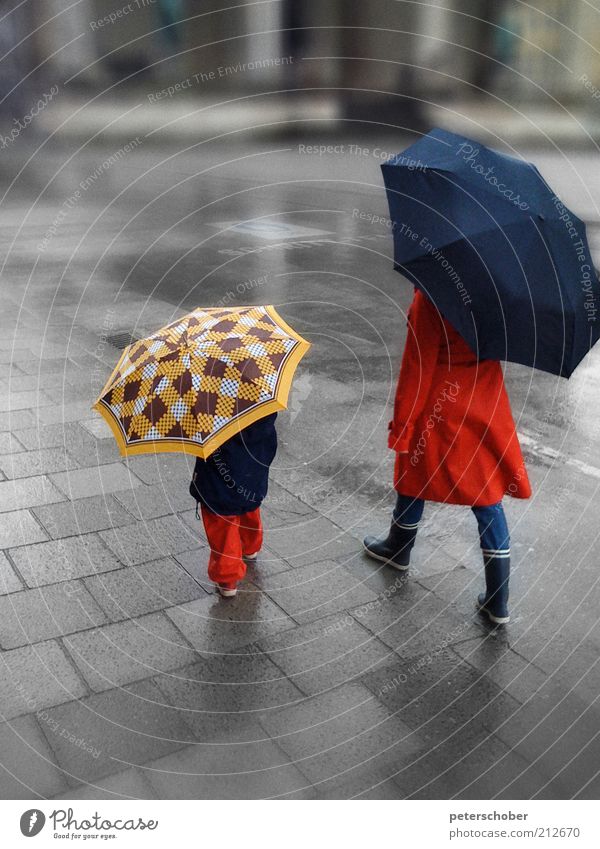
[{"x": 452, "y": 427}]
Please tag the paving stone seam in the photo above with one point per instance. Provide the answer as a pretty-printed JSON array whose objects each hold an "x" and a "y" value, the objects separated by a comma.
[
  {"x": 484, "y": 675},
  {"x": 351, "y": 612},
  {"x": 292, "y": 676},
  {"x": 53, "y": 763},
  {"x": 287, "y": 763},
  {"x": 150, "y": 791},
  {"x": 489, "y": 635},
  {"x": 391, "y": 715},
  {"x": 429, "y": 748},
  {"x": 63, "y": 539},
  {"x": 121, "y": 566},
  {"x": 72, "y": 662},
  {"x": 79, "y": 534},
  {"x": 67, "y": 497},
  {"x": 7, "y": 554},
  {"x": 85, "y": 578},
  {"x": 320, "y": 618},
  {"x": 39, "y": 523},
  {"x": 35, "y": 451},
  {"x": 62, "y": 634},
  {"x": 16, "y": 438},
  {"x": 158, "y": 613},
  {"x": 87, "y": 692}
]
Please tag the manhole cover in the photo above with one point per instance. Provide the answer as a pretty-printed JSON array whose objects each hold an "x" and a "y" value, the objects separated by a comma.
[{"x": 122, "y": 340}]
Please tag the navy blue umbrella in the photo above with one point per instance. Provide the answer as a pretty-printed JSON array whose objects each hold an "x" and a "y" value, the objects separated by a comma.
[{"x": 486, "y": 239}]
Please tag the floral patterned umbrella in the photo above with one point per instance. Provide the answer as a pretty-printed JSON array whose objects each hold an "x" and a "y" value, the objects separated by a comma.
[{"x": 200, "y": 380}]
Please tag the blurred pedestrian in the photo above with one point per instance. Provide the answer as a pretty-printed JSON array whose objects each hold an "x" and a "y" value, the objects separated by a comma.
[{"x": 456, "y": 443}]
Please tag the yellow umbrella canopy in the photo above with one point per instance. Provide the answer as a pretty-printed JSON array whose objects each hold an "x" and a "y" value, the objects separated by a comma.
[{"x": 200, "y": 380}]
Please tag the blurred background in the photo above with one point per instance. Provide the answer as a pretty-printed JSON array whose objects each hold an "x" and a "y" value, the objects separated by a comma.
[{"x": 405, "y": 64}]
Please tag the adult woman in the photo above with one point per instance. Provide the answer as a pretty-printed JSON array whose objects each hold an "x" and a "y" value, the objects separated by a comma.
[{"x": 456, "y": 443}]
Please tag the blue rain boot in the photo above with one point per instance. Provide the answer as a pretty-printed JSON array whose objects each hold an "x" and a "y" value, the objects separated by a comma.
[
  {"x": 395, "y": 548},
  {"x": 494, "y": 601}
]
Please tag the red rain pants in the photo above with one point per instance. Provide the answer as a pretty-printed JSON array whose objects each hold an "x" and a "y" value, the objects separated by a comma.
[{"x": 230, "y": 538}]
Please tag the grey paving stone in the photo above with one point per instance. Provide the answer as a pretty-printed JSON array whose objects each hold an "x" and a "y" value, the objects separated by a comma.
[
  {"x": 83, "y": 516},
  {"x": 195, "y": 564},
  {"x": 9, "y": 581},
  {"x": 344, "y": 741},
  {"x": 266, "y": 565},
  {"x": 440, "y": 695},
  {"x": 281, "y": 508},
  {"x": 69, "y": 412},
  {"x": 15, "y": 420},
  {"x": 29, "y": 492},
  {"x": 33, "y": 383},
  {"x": 97, "y": 480},
  {"x": 12, "y": 343},
  {"x": 16, "y": 400},
  {"x": 129, "y": 784},
  {"x": 213, "y": 624},
  {"x": 28, "y": 769},
  {"x": 109, "y": 732},
  {"x": 458, "y": 587},
  {"x": 19, "y": 528},
  {"x": 150, "y": 540},
  {"x": 63, "y": 560},
  {"x": 97, "y": 427},
  {"x": 62, "y": 435},
  {"x": 9, "y": 444},
  {"x": 125, "y": 652},
  {"x": 152, "y": 502},
  {"x": 49, "y": 349},
  {"x": 31, "y": 616},
  {"x": 326, "y": 653},
  {"x": 499, "y": 663},
  {"x": 578, "y": 779},
  {"x": 194, "y": 523},
  {"x": 222, "y": 696},
  {"x": 251, "y": 771},
  {"x": 479, "y": 766},
  {"x": 95, "y": 452},
  {"x": 36, "y": 677},
  {"x": 159, "y": 468},
  {"x": 141, "y": 589},
  {"x": 414, "y": 622},
  {"x": 575, "y": 662},
  {"x": 7, "y": 355},
  {"x": 550, "y": 729},
  {"x": 29, "y": 463},
  {"x": 312, "y": 592},
  {"x": 378, "y": 575},
  {"x": 310, "y": 541}
]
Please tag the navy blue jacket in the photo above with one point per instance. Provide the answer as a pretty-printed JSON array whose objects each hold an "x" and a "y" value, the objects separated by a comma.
[{"x": 235, "y": 478}]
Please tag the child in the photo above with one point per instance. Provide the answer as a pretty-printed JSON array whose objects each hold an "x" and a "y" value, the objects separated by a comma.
[
  {"x": 230, "y": 487},
  {"x": 456, "y": 443}
]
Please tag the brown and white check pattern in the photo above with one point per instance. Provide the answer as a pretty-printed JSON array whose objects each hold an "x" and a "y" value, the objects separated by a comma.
[{"x": 192, "y": 378}]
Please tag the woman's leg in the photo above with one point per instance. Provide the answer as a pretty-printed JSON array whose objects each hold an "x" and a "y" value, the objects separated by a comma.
[
  {"x": 495, "y": 546},
  {"x": 395, "y": 549},
  {"x": 225, "y": 564},
  {"x": 408, "y": 511}
]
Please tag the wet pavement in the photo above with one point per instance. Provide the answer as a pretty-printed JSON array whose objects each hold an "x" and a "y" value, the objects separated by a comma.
[{"x": 329, "y": 676}]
